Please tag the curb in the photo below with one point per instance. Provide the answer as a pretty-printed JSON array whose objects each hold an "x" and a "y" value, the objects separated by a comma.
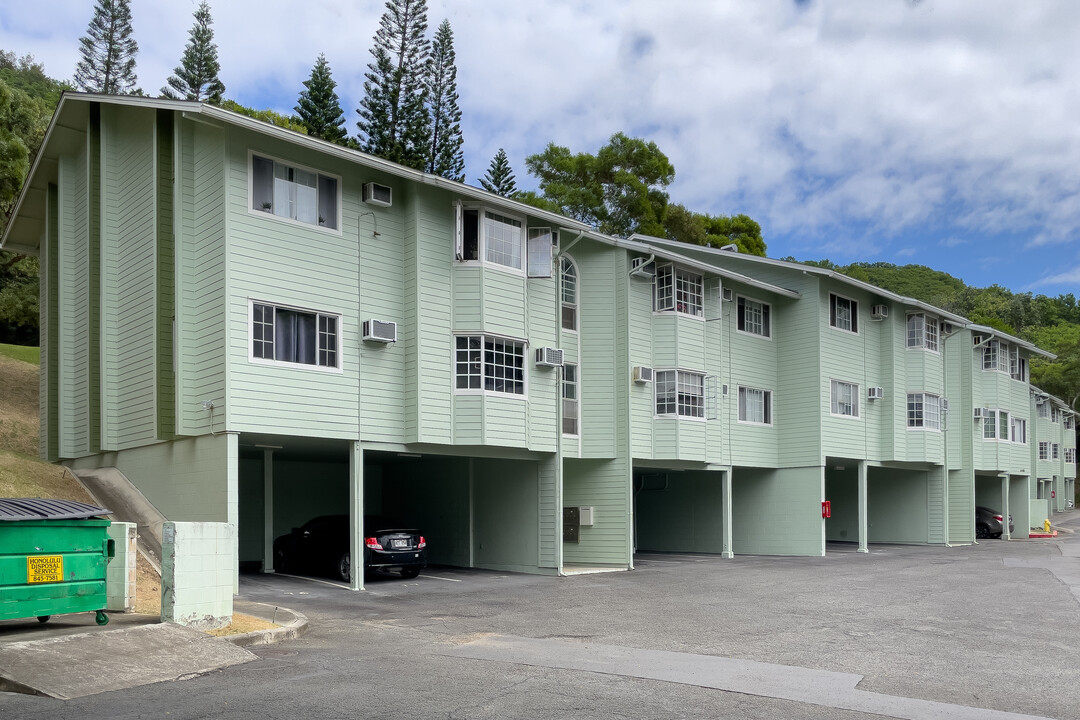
[{"x": 296, "y": 624}]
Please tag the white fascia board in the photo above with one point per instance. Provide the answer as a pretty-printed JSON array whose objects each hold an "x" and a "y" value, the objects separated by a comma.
[
  {"x": 1011, "y": 339},
  {"x": 840, "y": 277}
]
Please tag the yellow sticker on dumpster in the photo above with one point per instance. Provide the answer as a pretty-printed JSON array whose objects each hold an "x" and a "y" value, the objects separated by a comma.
[{"x": 44, "y": 568}]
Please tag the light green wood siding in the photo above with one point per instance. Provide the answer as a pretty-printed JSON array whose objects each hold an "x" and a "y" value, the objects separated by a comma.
[
  {"x": 201, "y": 273},
  {"x": 605, "y": 486},
  {"x": 94, "y": 252},
  {"x": 49, "y": 377},
  {"x": 550, "y": 482},
  {"x": 961, "y": 506},
  {"x": 74, "y": 306},
  {"x": 436, "y": 407},
  {"x": 129, "y": 260},
  {"x": 291, "y": 264},
  {"x": 602, "y": 359},
  {"x": 166, "y": 276}
]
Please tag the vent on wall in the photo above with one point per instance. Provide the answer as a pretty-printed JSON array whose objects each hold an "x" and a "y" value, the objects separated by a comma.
[
  {"x": 549, "y": 357},
  {"x": 380, "y": 331},
  {"x": 379, "y": 195},
  {"x": 643, "y": 374}
]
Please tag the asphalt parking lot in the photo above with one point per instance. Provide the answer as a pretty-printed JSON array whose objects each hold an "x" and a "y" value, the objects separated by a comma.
[{"x": 994, "y": 626}]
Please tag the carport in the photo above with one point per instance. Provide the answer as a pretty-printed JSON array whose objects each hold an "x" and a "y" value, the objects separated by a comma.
[
  {"x": 900, "y": 503},
  {"x": 481, "y": 512},
  {"x": 1006, "y": 494},
  {"x": 682, "y": 510}
]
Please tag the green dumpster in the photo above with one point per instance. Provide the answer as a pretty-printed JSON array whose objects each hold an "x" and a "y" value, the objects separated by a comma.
[{"x": 53, "y": 556}]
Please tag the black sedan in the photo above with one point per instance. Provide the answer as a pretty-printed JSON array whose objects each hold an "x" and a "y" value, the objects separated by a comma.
[
  {"x": 321, "y": 545},
  {"x": 990, "y": 523}
]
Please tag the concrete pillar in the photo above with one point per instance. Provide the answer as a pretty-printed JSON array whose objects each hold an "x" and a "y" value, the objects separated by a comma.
[
  {"x": 726, "y": 511},
  {"x": 120, "y": 572},
  {"x": 1005, "y": 508},
  {"x": 197, "y": 567},
  {"x": 864, "y": 522},
  {"x": 232, "y": 441},
  {"x": 268, "y": 511},
  {"x": 356, "y": 514}
]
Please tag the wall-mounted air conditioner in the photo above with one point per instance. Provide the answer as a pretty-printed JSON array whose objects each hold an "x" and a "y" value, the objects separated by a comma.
[
  {"x": 947, "y": 328},
  {"x": 879, "y": 312},
  {"x": 875, "y": 393},
  {"x": 727, "y": 294},
  {"x": 981, "y": 413},
  {"x": 642, "y": 267},
  {"x": 977, "y": 339},
  {"x": 945, "y": 404},
  {"x": 549, "y": 357},
  {"x": 643, "y": 374},
  {"x": 379, "y": 195},
  {"x": 380, "y": 331}
]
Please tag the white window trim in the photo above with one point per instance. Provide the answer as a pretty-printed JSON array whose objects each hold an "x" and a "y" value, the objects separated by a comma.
[
  {"x": 1039, "y": 451},
  {"x": 768, "y": 337},
  {"x": 278, "y": 218},
  {"x": 854, "y": 397},
  {"x": 997, "y": 424},
  {"x": 1025, "y": 422},
  {"x": 923, "y": 428},
  {"x": 921, "y": 345},
  {"x": 481, "y": 246},
  {"x": 675, "y": 415},
  {"x": 855, "y": 321},
  {"x": 525, "y": 364},
  {"x": 577, "y": 386},
  {"x": 771, "y": 405},
  {"x": 675, "y": 269},
  {"x": 339, "y": 369},
  {"x": 577, "y": 294}
]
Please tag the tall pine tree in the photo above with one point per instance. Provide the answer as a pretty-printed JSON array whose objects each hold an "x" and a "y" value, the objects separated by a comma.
[
  {"x": 394, "y": 121},
  {"x": 196, "y": 78},
  {"x": 445, "y": 156},
  {"x": 500, "y": 178},
  {"x": 108, "y": 51},
  {"x": 319, "y": 108}
]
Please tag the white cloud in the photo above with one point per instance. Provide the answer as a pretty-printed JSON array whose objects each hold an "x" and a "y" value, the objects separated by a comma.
[
  {"x": 906, "y": 252},
  {"x": 1069, "y": 277}
]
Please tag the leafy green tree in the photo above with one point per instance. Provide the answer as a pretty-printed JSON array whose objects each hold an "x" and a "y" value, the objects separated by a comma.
[
  {"x": 267, "y": 116},
  {"x": 446, "y": 157},
  {"x": 531, "y": 197},
  {"x": 620, "y": 190},
  {"x": 714, "y": 230},
  {"x": 1060, "y": 377},
  {"x": 319, "y": 108},
  {"x": 196, "y": 78},
  {"x": 108, "y": 51},
  {"x": 17, "y": 123},
  {"x": 394, "y": 121},
  {"x": 500, "y": 176},
  {"x": 18, "y": 299}
]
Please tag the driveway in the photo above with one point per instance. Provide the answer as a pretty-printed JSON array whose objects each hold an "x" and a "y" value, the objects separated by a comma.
[{"x": 905, "y": 631}]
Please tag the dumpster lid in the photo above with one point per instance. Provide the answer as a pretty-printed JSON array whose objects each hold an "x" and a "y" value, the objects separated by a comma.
[{"x": 15, "y": 509}]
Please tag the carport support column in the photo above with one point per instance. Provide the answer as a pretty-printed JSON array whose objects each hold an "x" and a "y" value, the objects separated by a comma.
[
  {"x": 356, "y": 514},
  {"x": 268, "y": 511},
  {"x": 1005, "y": 508},
  {"x": 726, "y": 511},
  {"x": 863, "y": 522}
]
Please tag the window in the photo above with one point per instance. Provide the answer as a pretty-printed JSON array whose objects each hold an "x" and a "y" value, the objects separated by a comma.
[
  {"x": 1044, "y": 450},
  {"x": 755, "y": 406},
  {"x": 569, "y": 399},
  {"x": 679, "y": 290},
  {"x": 998, "y": 356},
  {"x": 294, "y": 336},
  {"x": 1055, "y": 415},
  {"x": 753, "y": 317},
  {"x": 569, "y": 277},
  {"x": 680, "y": 394},
  {"x": 996, "y": 425},
  {"x": 924, "y": 411},
  {"x": 1055, "y": 451},
  {"x": 1014, "y": 361},
  {"x": 294, "y": 193},
  {"x": 1021, "y": 373},
  {"x": 540, "y": 244},
  {"x": 990, "y": 355},
  {"x": 490, "y": 363},
  {"x": 845, "y": 399},
  {"x": 922, "y": 331},
  {"x": 1042, "y": 409},
  {"x": 1068, "y": 420},
  {"x": 1070, "y": 455},
  {"x": 1018, "y": 430},
  {"x": 496, "y": 238},
  {"x": 843, "y": 313}
]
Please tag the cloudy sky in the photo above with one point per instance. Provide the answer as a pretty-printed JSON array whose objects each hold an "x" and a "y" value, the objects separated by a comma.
[{"x": 938, "y": 132}]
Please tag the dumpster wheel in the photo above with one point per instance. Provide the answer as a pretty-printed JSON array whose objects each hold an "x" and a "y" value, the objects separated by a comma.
[
  {"x": 43, "y": 618},
  {"x": 102, "y": 618}
]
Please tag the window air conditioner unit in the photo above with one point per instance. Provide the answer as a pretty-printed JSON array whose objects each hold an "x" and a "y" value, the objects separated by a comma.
[
  {"x": 643, "y": 374},
  {"x": 875, "y": 393},
  {"x": 380, "y": 331},
  {"x": 980, "y": 413},
  {"x": 723, "y": 389},
  {"x": 879, "y": 312},
  {"x": 945, "y": 404},
  {"x": 947, "y": 328},
  {"x": 727, "y": 294},
  {"x": 640, "y": 268},
  {"x": 549, "y": 357},
  {"x": 977, "y": 339},
  {"x": 376, "y": 194}
]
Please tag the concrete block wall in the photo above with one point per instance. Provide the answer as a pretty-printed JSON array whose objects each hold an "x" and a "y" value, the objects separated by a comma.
[
  {"x": 120, "y": 573},
  {"x": 197, "y": 568}
]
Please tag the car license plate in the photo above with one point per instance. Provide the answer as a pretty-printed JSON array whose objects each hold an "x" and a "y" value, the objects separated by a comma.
[
  {"x": 44, "y": 568},
  {"x": 400, "y": 543}
]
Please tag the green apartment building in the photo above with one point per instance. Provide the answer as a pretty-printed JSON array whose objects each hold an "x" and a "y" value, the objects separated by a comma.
[{"x": 258, "y": 327}]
